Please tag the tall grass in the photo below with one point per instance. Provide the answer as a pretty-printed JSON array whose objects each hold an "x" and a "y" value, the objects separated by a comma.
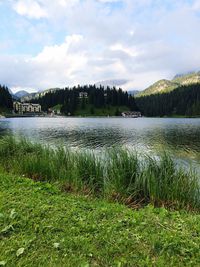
[{"x": 120, "y": 174}]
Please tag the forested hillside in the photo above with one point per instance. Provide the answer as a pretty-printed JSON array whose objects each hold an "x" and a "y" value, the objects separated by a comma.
[
  {"x": 93, "y": 100},
  {"x": 88, "y": 100},
  {"x": 6, "y": 102},
  {"x": 165, "y": 86},
  {"x": 184, "y": 101}
]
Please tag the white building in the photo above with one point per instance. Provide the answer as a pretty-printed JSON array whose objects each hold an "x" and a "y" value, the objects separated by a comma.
[
  {"x": 131, "y": 114},
  {"x": 83, "y": 95},
  {"x": 22, "y": 108}
]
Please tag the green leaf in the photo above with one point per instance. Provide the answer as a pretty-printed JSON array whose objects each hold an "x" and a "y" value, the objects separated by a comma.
[
  {"x": 13, "y": 214},
  {"x": 7, "y": 229},
  {"x": 2, "y": 263},
  {"x": 56, "y": 245},
  {"x": 19, "y": 252}
]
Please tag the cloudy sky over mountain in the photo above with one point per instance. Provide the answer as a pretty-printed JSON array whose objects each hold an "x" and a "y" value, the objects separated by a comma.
[{"x": 46, "y": 43}]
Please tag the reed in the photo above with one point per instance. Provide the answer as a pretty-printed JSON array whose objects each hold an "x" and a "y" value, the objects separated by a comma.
[{"x": 120, "y": 174}]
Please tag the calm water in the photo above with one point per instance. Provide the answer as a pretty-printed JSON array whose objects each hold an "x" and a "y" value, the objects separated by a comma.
[{"x": 152, "y": 135}]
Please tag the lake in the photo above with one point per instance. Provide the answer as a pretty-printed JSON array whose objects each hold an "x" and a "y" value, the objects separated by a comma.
[{"x": 181, "y": 137}]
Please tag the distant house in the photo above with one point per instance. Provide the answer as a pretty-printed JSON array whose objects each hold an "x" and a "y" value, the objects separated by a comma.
[
  {"x": 53, "y": 111},
  {"x": 83, "y": 95},
  {"x": 22, "y": 108},
  {"x": 131, "y": 114}
]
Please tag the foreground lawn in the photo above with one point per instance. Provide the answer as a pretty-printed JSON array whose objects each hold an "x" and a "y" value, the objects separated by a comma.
[{"x": 40, "y": 226}]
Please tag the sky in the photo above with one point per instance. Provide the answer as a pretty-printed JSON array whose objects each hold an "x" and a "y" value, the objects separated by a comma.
[{"x": 59, "y": 43}]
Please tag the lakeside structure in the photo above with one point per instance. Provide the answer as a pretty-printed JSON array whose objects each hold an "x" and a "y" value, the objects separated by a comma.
[
  {"x": 131, "y": 114},
  {"x": 24, "y": 108},
  {"x": 83, "y": 95}
]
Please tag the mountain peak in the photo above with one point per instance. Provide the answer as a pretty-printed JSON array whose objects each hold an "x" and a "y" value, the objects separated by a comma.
[
  {"x": 111, "y": 83},
  {"x": 159, "y": 87},
  {"x": 164, "y": 85},
  {"x": 21, "y": 93}
]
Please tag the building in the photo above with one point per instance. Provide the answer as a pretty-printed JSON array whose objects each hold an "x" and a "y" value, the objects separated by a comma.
[
  {"x": 83, "y": 95},
  {"x": 22, "y": 108},
  {"x": 131, "y": 114}
]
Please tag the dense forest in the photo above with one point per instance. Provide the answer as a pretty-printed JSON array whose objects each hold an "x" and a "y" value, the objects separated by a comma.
[
  {"x": 6, "y": 101},
  {"x": 82, "y": 97},
  {"x": 184, "y": 101}
]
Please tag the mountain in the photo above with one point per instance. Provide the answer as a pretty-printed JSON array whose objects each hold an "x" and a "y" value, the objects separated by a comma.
[
  {"x": 188, "y": 79},
  {"x": 164, "y": 86},
  {"x": 10, "y": 91},
  {"x": 112, "y": 83},
  {"x": 182, "y": 101},
  {"x": 133, "y": 92},
  {"x": 31, "y": 96},
  {"x": 28, "y": 97},
  {"x": 159, "y": 87},
  {"x": 21, "y": 93},
  {"x": 183, "y": 74},
  {"x": 95, "y": 101}
]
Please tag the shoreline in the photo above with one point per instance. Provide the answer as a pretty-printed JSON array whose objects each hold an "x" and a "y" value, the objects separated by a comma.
[
  {"x": 105, "y": 117},
  {"x": 118, "y": 175}
]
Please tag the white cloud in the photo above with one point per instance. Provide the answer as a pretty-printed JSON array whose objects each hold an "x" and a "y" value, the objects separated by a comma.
[
  {"x": 73, "y": 62},
  {"x": 30, "y": 8},
  {"x": 37, "y": 9},
  {"x": 110, "y": 1},
  {"x": 196, "y": 5},
  {"x": 60, "y": 62},
  {"x": 53, "y": 66},
  {"x": 66, "y": 3},
  {"x": 130, "y": 51},
  {"x": 140, "y": 41}
]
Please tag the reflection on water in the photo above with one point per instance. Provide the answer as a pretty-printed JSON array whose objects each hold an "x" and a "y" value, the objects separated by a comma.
[{"x": 179, "y": 136}]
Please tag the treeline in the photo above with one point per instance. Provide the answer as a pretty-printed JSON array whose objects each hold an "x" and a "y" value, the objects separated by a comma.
[
  {"x": 6, "y": 101},
  {"x": 184, "y": 100},
  {"x": 97, "y": 97}
]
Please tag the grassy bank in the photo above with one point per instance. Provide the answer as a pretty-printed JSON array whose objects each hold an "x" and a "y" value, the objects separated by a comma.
[
  {"x": 182, "y": 117},
  {"x": 120, "y": 175},
  {"x": 5, "y": 111},
  {"x": 40, "y": 226},
  {"x": 90, "y": 110}
]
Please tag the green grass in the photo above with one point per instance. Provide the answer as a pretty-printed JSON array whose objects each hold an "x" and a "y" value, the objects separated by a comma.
[
  {"x": 106, "y": 111},
  {"x": 57, "y": 107},
  {"x": 4, "y": 111},
  {"x": 40, "y": 226},
  {"x": 182, "y": 116},
  {"x": 119, "y": 175}
]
